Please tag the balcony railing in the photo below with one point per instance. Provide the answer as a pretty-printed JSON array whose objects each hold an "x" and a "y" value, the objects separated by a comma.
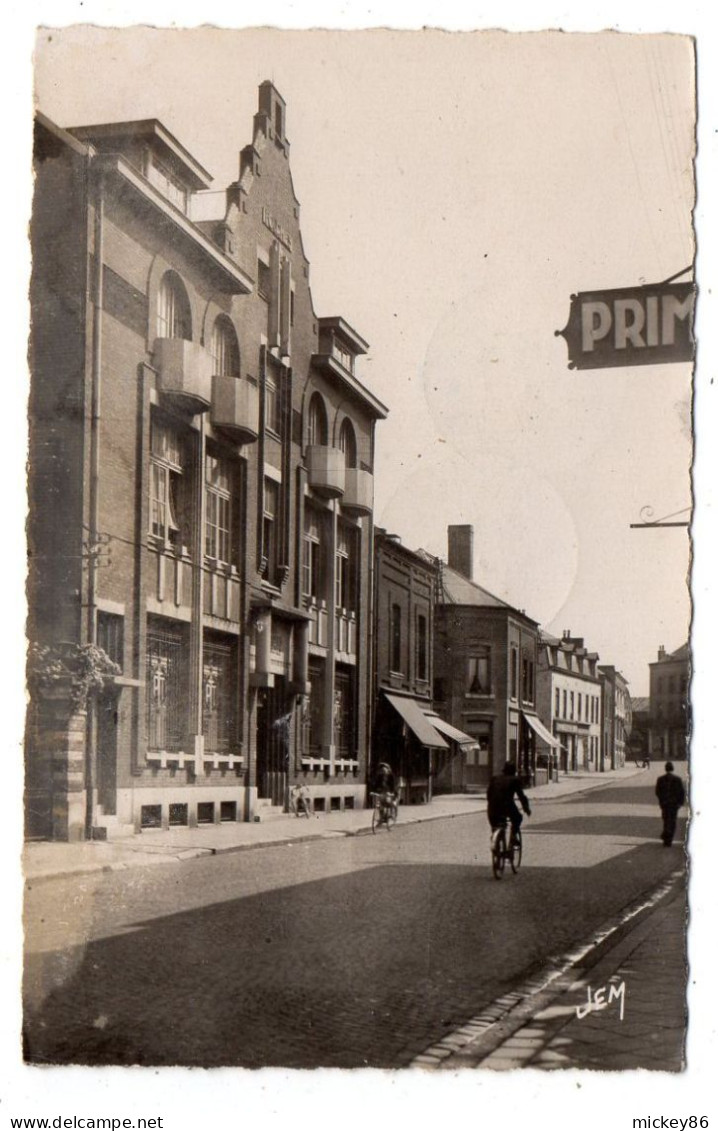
[
  {"x": 235, "y": 408},
  {"x": 326, "y": 470},
  {"x": 358, "y": 490},
  {"x": 184, "y": 369}
]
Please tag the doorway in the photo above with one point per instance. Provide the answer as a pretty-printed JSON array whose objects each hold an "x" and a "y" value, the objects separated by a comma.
[{"x": 274, "y": 717}]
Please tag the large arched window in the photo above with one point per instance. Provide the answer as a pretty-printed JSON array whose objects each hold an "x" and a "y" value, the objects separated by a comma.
[
  {"x": 174, "y": 319},
  {"x": 225, "y": 348},
  {"x": 348, "y": 443},
  {"x": 318, "y": 429}
]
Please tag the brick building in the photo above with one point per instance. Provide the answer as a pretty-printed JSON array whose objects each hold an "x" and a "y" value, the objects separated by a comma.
[
  {"x": 419, "y": 745},
  {"x": 669, "y": 709},
  {"x": 485, "y": 663},
  {"x": 569, "y": 700},
  {"x": 201, "y": 493}
]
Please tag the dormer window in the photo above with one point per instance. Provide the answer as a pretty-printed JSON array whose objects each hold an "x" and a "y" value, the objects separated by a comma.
[
  {"x": 170, "y": 185},
  {"x": 341, "y": 354}
]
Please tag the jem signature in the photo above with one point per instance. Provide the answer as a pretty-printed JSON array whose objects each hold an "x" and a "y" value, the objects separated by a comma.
[{"x": 601, "y": 1001}]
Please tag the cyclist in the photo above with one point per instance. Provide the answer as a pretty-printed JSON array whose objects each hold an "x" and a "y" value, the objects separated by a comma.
[
  {"x": 500, "y": 798},
  {"x": 384, "y": 785}
]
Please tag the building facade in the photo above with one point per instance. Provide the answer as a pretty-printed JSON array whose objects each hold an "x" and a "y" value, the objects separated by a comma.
[
  {"x": 669, "y": 709},
  {"x": 569, "y": 699},
  {"x": 485, "y": 665},
  {"x": 616, "y": 720},
  {"x": 201, "y": 492}
]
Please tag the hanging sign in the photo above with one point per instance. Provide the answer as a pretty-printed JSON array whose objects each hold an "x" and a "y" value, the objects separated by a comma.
[{"x": 648, "y": 325}]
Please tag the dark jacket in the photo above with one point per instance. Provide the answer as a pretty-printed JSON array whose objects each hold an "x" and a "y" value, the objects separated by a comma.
[
  {"x": 670, "y": 791},
  {"x": 384, "y": 782},
  {"x": 500, "y": 797}
]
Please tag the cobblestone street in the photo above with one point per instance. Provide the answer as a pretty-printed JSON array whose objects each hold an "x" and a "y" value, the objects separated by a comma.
[{"x": 341, "y": 952}]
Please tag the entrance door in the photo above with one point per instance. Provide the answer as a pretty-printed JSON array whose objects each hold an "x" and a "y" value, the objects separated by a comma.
[{"x": 274, "y": 716}]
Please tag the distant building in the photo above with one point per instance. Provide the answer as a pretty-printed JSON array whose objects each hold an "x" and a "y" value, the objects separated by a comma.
[
  {"x": 669, "y": 728},
  {"x": 637, "y": 746},
  {"x": 569, "y": 699},
  {"x": 408, "y": 734},
  {"x": 616, "y": 717},
  {"x": 485, "y": 665}
]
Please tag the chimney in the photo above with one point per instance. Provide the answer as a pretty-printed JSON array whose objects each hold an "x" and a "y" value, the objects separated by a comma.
[
  {"x": 461, "y": 550},
  {"x": 661, "y": 653}
]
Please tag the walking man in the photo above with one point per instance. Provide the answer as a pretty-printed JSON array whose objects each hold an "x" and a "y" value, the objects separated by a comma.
[{"x": 671, "y": 795}]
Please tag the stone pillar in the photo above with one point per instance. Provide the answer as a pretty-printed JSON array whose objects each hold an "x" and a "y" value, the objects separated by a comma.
[{"x": 63, "y": 735}]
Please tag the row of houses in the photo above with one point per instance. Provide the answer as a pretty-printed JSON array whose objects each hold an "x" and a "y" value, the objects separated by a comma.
[
  {"x": 213, "y": 617},
  {"x": 490, "y": 686}
]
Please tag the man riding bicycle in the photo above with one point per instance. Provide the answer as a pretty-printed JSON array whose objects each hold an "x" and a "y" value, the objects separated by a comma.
[
  {"x": 384, "y": 784},
  {"x": 500, "y": 798}
]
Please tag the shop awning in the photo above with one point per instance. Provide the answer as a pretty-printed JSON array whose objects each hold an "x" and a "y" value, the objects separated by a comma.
[
  {"x": 451, "y": 732},
  {"x": 412, "y": 713},
  {"x": 540, "y": 730}
]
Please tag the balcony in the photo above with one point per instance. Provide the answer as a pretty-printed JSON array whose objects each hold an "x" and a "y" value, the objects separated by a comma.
[
  {"x": 326, "y": 470},
  {"x": 235, "y": 408},
  {"x": 358, "y": 490},
  {"x": 185, "y": 372}
]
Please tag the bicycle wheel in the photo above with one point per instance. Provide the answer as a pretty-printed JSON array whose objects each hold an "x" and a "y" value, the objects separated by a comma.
[
  {"x": 498, "y": 853},
  {"x": 516, "y": 852}
]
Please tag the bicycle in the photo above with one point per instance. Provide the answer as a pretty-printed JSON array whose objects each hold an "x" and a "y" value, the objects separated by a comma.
[
  {"x": 501, "y": 851},
  {"x": 384, "y": 812}
]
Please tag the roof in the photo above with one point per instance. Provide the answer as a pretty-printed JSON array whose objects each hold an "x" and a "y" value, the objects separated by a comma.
[
  {"x": 150, "y": 129},
  {"x": 681, "y": 655},
  {"x": 640, "y": 703},
  {"x": 458, "y": 590}
]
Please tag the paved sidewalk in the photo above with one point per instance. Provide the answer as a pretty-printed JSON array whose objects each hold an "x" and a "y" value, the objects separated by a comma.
[
  {"x": 641, "y": 981},
  {"x": 44, "y": 859}
]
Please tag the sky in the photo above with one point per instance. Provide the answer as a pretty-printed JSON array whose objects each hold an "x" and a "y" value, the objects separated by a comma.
[{"x": 456, "y": 189}]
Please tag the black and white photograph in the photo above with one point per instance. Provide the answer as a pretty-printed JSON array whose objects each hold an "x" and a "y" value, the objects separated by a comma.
[{"x": 363, "y": 565}]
